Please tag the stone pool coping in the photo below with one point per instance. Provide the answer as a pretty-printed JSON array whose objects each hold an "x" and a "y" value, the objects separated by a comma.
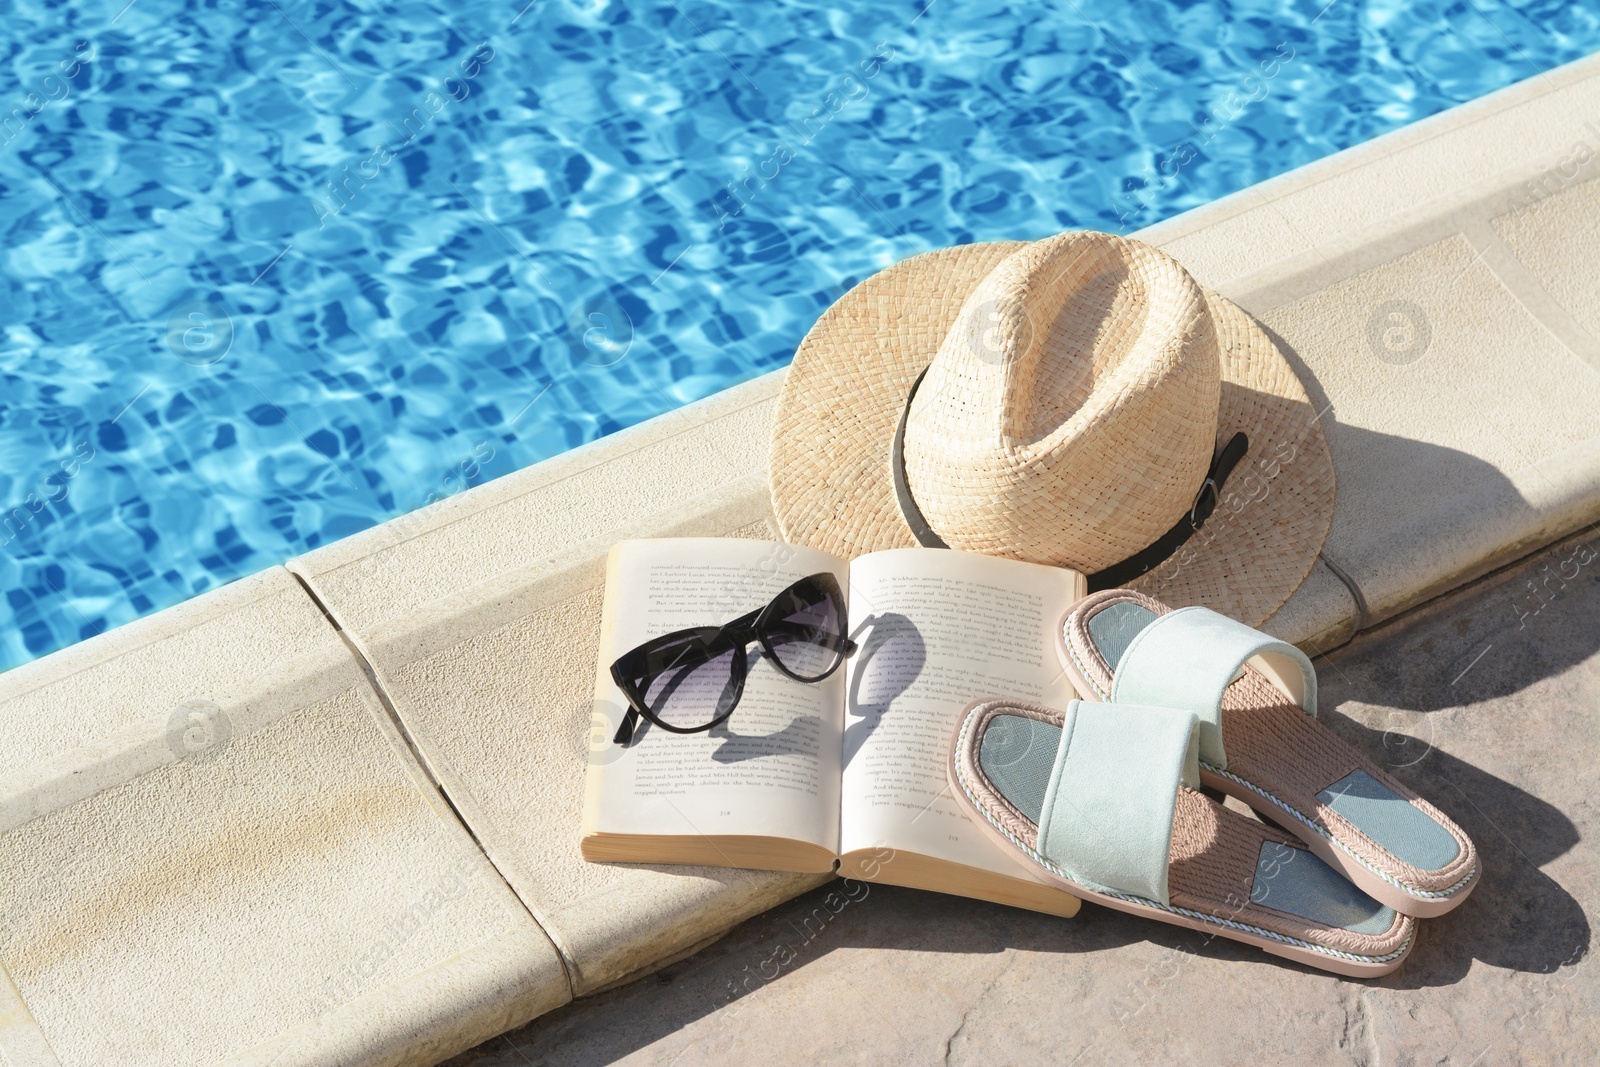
[{"x": 328, "y": 814}]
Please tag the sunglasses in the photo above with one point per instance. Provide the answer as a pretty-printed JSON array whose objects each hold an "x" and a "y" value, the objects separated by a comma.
[{"x": 691, "y": 680}]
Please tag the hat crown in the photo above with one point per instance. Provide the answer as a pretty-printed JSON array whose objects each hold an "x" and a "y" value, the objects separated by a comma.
[{"x": 1070, "y": 413}]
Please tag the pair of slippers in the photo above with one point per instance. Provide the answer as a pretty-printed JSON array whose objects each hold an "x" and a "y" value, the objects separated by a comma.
[{"x": 1103, "y": 798}]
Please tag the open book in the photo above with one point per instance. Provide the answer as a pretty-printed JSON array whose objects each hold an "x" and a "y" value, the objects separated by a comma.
[{"x": 850, "y": 769}]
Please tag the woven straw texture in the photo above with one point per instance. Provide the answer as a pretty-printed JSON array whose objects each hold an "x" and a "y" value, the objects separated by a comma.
[
  {"x": 1067, "y": 419},
  {"x": 1213, "y": 856},
  {"x": 1069, "y": 415},
  {"x": 1276, "y": 508},
  {"x": 842, "y": 398},
  {"x": 1273, "y": 744}
]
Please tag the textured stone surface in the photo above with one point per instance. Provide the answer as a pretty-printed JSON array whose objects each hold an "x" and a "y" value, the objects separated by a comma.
[
  {"x": 1560, "y": 228},
  {"x": 495, "y": 682},
  {"x": 269, "y": 881},
  {"x": 1438, "y": 446},
  {"x": 1485, "y": 704},
  {"x": 1321, "y": 613}
]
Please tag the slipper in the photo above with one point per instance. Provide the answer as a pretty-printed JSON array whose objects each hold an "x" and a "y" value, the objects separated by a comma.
[
  {"x": 1099, "y": 800},
  {"x": 1256, "y": 700}
]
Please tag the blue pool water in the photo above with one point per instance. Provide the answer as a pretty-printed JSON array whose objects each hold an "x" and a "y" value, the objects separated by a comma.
[{"x": 275, "y": 271}]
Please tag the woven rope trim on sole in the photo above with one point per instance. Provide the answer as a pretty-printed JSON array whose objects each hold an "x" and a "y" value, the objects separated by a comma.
[
  {"x": 1441, "y": 894},
  {"x": 1424, "y": 894},
  {"x": 1199, "y": 916},
  {"x": 1082, "y": 669}
]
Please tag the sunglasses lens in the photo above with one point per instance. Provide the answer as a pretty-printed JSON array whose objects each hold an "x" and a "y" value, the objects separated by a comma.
[
  {"x": 806, "y": 629},
  {"x": 694, "y": 683}
]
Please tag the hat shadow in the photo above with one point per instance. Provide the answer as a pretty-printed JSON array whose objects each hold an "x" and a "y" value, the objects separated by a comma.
[
  {"x": 1490, "y": 644},
  {"x": 1389, "y": 487},
  {"x": 1479, "y": 652}
]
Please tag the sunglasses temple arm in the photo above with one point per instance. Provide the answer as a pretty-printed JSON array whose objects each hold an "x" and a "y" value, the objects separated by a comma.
[{"x": 624, "y": 732}]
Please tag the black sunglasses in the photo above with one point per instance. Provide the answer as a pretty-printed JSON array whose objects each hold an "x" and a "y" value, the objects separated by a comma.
[{"x": 691, "y": 680}]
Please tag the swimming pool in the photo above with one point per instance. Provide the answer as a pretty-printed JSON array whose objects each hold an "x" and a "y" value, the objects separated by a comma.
[{"x": 276, "y": 272}]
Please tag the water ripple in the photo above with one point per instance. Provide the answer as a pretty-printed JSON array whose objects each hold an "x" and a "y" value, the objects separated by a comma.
[{"x": 276, "y": 272}]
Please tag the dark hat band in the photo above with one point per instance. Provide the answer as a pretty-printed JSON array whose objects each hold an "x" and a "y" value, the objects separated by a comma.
[{"x": 1118, "y": 574}]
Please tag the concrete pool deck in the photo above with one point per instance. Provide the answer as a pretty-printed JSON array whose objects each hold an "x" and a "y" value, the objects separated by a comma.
[
  {"x": 897, "y": 976},
  {"x": 328, "y": 814}
]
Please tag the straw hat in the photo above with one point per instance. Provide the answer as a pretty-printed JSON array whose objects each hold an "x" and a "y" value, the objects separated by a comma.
[{"x": 1075, "y": 396}]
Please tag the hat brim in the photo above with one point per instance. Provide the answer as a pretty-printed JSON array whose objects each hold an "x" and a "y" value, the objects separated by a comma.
[{"x": 842, "y": 399}]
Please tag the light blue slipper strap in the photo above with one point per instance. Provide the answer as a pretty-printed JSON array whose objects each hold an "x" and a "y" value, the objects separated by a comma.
[
  {"x": 1186, "y": 658},
  {"x": 1107, "y": 813}
]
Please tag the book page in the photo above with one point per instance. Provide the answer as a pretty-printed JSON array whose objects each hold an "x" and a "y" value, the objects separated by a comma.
[
  {"x": 772, "y": 769},
  {"x": 939, "y": 629}
]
